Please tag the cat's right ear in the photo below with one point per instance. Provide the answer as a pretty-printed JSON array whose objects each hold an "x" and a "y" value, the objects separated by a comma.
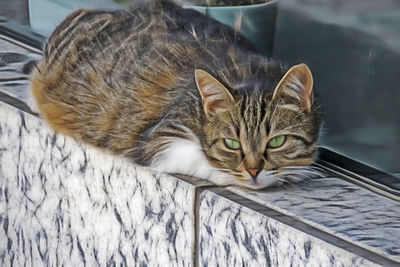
[{"x": 214, "y": 95}]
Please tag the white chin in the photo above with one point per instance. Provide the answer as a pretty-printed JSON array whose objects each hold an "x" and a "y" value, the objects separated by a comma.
[
  {"x": 263, "y": 184},
  {"x": 264, "y": 180}
]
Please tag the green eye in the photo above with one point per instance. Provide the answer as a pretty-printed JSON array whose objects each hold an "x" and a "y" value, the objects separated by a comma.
[
  {"x": 277, "y": 141},
  {"x": 232, "y": 144}
]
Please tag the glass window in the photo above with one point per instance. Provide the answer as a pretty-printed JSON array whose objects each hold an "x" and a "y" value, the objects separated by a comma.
[
  {"x": 45, "y": 22},
  {"x": 353, "y": 49}
]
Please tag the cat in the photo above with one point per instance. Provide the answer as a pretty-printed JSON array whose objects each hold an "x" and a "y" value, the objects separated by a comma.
[{"x": 178, "y": 92}]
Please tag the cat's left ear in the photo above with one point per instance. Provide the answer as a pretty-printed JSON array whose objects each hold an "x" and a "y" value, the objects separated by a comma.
[
  {"x": 297, "y": 83},
  {"x": 214, "y": 95}
]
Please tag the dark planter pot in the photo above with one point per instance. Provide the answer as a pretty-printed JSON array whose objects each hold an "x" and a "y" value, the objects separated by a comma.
[{"x": 258, "y": 21}]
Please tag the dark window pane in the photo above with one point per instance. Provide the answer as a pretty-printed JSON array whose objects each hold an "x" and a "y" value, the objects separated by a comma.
[{"x": 353, "y": 49}]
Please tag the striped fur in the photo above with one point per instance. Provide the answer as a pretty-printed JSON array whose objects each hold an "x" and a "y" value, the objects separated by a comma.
[{"x": 124, "y": 81}]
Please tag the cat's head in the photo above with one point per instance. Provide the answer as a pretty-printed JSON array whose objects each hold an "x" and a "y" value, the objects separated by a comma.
[{"x": 264, "y": 136}]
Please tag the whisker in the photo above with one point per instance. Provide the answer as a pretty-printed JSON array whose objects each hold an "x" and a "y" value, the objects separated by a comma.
[
  {"x": 301, "y": 174},
  {"x": 316, "y": 168},
  {"x": 285, "y": 183},
  {"x": 295, "y": 174},
  {"x": 308, "y": 171}
]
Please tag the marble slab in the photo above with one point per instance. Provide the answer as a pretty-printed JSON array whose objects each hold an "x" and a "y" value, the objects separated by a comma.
[
  {"x": 62, "y": 203},
  {"x": 236, "y": 232},
  {"x": 336, "y": 206}
]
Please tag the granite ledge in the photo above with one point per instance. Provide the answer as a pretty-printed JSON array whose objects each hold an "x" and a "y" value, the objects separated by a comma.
[
  {"x": 62, "y": 202},
  {"x": 340, "y": 208},
  {"x": 243, "y": 232}
]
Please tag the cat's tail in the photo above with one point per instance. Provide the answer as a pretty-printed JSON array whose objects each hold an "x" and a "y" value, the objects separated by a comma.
[{"x": 28, "y": 67}]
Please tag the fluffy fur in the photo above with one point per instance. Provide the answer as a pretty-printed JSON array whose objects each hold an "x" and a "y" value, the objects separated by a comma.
[{"x": 166, "y": 86}]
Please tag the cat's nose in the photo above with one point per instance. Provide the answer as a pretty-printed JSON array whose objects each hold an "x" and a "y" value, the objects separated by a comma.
[{"x": 253, "y": 172}]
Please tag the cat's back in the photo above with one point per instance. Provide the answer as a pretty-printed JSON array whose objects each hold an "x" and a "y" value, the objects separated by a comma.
[
  {"x": 119, "y": 44},
  {"x": 91, "y": 82},
  {"x": 101, "y": 35},
  {"x": 108, "y": 73}
]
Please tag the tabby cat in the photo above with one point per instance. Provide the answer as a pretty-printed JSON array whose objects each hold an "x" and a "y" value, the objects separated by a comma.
[{"x": 178, "y": 92}]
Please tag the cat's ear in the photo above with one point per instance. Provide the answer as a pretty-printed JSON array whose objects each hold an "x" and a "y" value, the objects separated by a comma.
[
  {"x": 297, "y": 83},
  {"x": 214, "y": 95}
]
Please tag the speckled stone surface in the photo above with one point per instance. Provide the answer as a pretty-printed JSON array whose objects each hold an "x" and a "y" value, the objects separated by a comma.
[
  {"x": 235, "y": 235},
  {"x": 62, "y": 203},
  {"x": 339, "y": 207}
]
